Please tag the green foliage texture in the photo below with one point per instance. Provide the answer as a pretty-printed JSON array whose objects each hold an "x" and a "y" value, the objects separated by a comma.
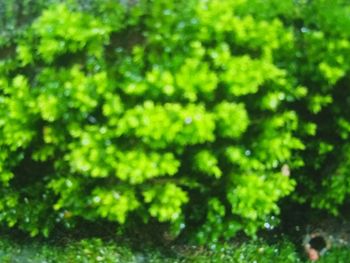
[{"x": 200, "y": 114}]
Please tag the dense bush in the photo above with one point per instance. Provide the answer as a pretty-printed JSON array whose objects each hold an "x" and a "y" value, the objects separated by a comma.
[{"x": 200, "y": 114}]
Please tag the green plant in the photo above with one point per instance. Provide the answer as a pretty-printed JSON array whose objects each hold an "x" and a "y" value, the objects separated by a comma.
[
  {"x": 199, "y": 114},
  {"x": 96, "y": 126}
]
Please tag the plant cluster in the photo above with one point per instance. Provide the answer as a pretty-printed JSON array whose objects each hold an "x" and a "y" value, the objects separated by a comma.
[{"x": 199, "y": 114}]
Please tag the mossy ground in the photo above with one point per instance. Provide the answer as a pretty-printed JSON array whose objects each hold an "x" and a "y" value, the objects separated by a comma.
[{"x": 98, "y": 250}]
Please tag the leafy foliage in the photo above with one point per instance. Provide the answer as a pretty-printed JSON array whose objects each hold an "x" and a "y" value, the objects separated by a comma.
[{"x": 201, "y": 114}]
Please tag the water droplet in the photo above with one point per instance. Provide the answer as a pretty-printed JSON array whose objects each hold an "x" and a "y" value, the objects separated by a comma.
[
  {"x": 214, "y": 55},
  {"x": 248, "y": 153},
  {"x": 69, "y": 183},
  {"x": 304, "y": 30},
  {"x": 188, "y": 120},
  {"x": 194, "y": 21},
  {"x": 97, "y": 199},
  {"x": 85, "y": 141},
  {"x": 119, "y": 50},
  {"x": 167, "y": 12},
  {"x": 181, "y": 25},
  {"x": 103, "y": 130},
  {"x": 92, "y": 119},
  {"x": 267, "y": 225}
]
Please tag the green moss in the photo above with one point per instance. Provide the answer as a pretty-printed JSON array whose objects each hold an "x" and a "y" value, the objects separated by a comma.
[{"x": 199, "y": 114}]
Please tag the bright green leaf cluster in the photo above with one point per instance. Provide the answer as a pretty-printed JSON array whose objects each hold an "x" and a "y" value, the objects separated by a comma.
[{"x": 199, "y": 114}]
